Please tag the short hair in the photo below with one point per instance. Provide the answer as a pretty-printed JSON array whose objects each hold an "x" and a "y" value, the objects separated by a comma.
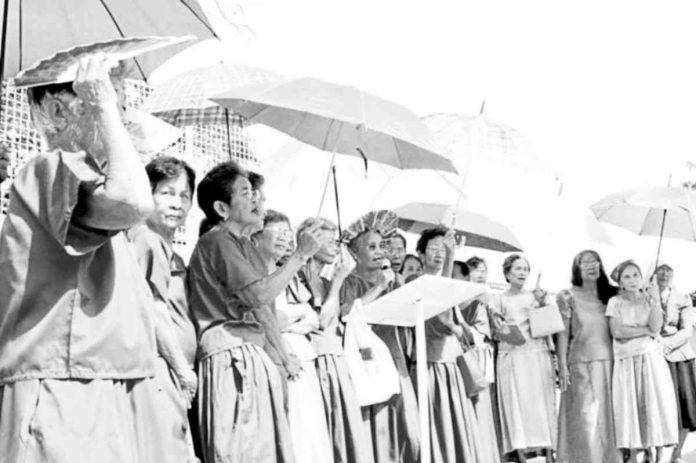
[
  {"x": 36, "y": 95},
  {"x": 509, "y": 262},
  {"x": 167, "y": 168},
  {"x": 427, "y": 235},
  {"x": 408, "y": 257},
  {"x": 326, "y": 224},
  {"x": 474, "y": 262},
  {"x": 257, "y": 180},
  {"x": 463, "y": 267},
  {"x": 401, "y": 237},
  {"x": 217, "y": 186},
  {"x": 273, "y": 216}
]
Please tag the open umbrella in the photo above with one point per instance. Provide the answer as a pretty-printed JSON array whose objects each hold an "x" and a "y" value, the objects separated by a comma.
[
  {"x": 662, "y": 212},
  {"x": 339, "y": 119},
  {"x": 185, "y": 99},
  {"x": 479, "y": 230},
  {"x": 33, "y": 29}
]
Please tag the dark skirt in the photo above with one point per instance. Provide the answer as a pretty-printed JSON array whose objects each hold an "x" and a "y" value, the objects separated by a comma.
[{"x": 684, "y": 379}]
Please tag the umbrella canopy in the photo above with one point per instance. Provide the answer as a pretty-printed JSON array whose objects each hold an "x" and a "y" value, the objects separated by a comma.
[
  {"x": 185, "y": 99},
  {"x": 339, "y": 119},
  {"x": 479, "y": 230},
  {"x": 662, "y": 212},
  {"x": 33, "y": 29}
]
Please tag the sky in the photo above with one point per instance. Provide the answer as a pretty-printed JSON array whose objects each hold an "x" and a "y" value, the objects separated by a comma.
[{"x": 602, "y": 90}]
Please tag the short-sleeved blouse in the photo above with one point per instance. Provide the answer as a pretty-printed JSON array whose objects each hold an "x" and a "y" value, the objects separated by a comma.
[
  {"x": 589, "y": 334},
  {"x": 221, "y": 266},
  {"x": 678, "y": 312},
  {"x": 515, "y": 309}
]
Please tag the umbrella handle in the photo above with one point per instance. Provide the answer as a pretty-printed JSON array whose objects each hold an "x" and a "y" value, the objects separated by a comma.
[{"x": 326, "y": 184}]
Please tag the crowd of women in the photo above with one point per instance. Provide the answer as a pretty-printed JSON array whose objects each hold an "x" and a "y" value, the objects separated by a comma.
[{"x": 113, "y": 349}]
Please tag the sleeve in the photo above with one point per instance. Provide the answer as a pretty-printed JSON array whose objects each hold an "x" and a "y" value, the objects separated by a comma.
[
  {"x": 566, "y": 304},
  {"x": 230, "y": 264},
  {"x": 153, "y": 260},
  {"x": 349, "y": 292},
  {"x": 612, "y": 308},
  {"x": 50, "y": 187},
  {"x": 687, "y": 313}
]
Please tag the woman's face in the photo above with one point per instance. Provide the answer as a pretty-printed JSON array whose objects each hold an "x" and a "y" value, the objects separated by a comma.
[
  {"x": 631, "y": 280},
  {"x": 274, "y": 240},
  {"x": 663, "y": 275},
  {"x": 244, "y": 208},
  {"x": 172, "y": 198},
  {"x": 434, "y": 256},
  {"x": 518, "y": 273},
  {"x": 397, "y": 251},
  {"x": 329, "y": 248},
  {"x": 479, "y": 274},
  {"x": 412, "y": 267},
  {"x": 589, "y": 267},
  {"x": 372, "y": 250}
]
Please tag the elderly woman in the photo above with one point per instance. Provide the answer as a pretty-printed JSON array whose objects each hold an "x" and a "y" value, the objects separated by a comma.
[
  {"x": 645, "y": 408},
  {"x": 394, "y": 424},
  {"x": 526, "y": 397},
  {"x": 677, "y": 330},
  {"x": 454, "y": 432},
  {"x": 242, "y": 358},
  {"x": 347, "y": 432},
  {"x": 172, "y": 182},
  {"x": 585, "y": 359},
  {"x": 476, "y": 316},
  {"x": 77, "y": 343},
  {"x": 297, "y": 319}
]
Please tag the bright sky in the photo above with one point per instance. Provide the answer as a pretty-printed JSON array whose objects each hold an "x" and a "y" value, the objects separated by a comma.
[{"x": 604, "y": 90}]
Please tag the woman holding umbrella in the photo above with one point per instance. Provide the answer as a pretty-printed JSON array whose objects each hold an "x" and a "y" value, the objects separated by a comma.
[
  {"x": 242, "y": 360},
  {"x": 585, "y": 360},
  {"x": 393, "y": 424},
  {"x": 454, "y": 428},
  {"x": 645, "y": 408},
  {"x": 526, "y": 396},
  {"x": 676, "y": 332}
]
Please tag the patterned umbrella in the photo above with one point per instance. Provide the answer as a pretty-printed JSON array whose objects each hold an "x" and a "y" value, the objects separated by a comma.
[{"x": 33, "y": 29}]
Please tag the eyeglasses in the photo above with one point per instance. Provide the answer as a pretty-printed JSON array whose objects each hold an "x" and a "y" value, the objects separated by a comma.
[{"x": 589, "y": 263}]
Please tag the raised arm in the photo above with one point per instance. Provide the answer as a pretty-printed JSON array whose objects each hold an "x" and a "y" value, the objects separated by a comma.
[{"x": 123, "y": 199}]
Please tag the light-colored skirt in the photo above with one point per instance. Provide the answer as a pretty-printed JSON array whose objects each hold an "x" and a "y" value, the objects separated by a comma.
[
  {"x": 347, "y": 431},
  {"x": 241, "y": 408},
  {"x": 82, "y": 421},
  {"x": 645, "y": 407},
  {"x": 526, "y": 400},
  {"x": 454, "y": 430},
  {"x": 488, "y": 430},
  {"x": 586, "y": 422}
]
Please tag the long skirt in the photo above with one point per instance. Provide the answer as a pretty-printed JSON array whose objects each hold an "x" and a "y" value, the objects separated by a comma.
[
  {"x": 526, "y": 400},
  {"x": 241, "y": 408},
  {"x": 454, "y": 430},
  {"x": 488, "y": 430},
  {"x": 586, "y": 423},
  {"x": 684, "y": 379},
  {"x": 82, "y": 421},
  {"x": 307, "y": 418},
  {"x": 394, "y": 425},
  {"x": 347, "y": 431},
  {"x": 645, "y": 408}
]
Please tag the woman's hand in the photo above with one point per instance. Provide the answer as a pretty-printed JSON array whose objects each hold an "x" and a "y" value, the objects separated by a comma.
[
  {"x": 92, "y": 83},
  {"x": 292, "y": 366},
  {"x": 540, "y": 296},
  {"x": 310, "y": 240},
  {"x": 188, "y": 382},
  {"x": 343, "y": 267},
  {"x": 563, "y": 377},
  {"x": 385, "y": 278}
]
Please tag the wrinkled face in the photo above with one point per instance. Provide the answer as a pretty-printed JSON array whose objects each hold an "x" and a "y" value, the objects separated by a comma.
[
  {"x": 412, "y": 267},
  {"x": 329, "y": 248},
  {"x": 397, "y": 251},
  {"x": 518, "y": 273},
  {"x": 663, "y": 275},
  {"x": 274, "y": 240},
  {"x": 589, "y": 267},
  {"x": 479, "y": 274},
  {"x": 243, "y": 208},
  {"x": 172, "y": 199},
  {"x": 631, "y": 280},
  {"x": 434, "y": 257},
  {"x": 371, "y": 251}
]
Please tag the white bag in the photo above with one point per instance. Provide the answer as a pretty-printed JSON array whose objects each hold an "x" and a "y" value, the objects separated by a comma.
[{"x": 376, "y": 380}]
